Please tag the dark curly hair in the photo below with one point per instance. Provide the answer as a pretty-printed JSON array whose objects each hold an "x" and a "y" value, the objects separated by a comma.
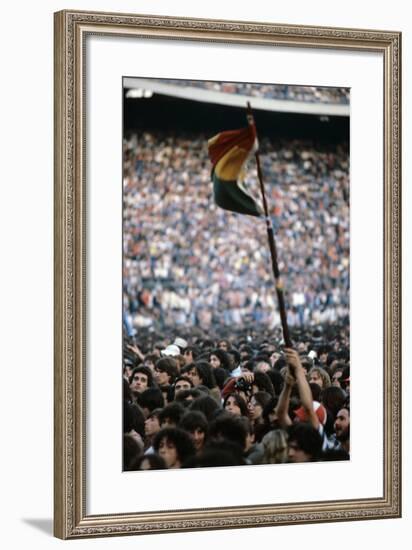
[
  {"x": 240, "y": 402},
  {"x": 225, "y": 359},
  {"x": 180, "y": 439}
]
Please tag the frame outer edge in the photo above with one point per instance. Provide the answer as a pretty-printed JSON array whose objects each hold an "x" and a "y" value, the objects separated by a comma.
[
  {"x": 60, "y": 497},
  {"x": 397, "y": 207},
  {"x": 399, "y": 99},
  {"x": 68, "y": 412}
]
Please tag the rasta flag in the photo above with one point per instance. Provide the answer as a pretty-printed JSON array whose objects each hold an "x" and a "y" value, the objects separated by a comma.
[{"x": 228, "y": 152}]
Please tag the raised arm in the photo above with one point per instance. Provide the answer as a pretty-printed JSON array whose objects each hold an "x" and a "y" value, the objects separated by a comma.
[
  {"x": 305, "y": 393},
  {"x": 282, "y": 408},
  {"x": 136, "y": 350}
]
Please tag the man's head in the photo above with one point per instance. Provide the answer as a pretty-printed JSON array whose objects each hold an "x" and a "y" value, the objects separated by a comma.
[
  {"x": 333, "y": 399},
  {"x": 229, "y": 427},
  {"x": 190, "y": 354},
  {"x": 166, "y": 371},
  {"x": 306, "y": 362},
  {"x": 140, "y": 379},
  {"x": 274, "y": 356},
  {"x": 185, "y": 397},
  {"x": 182, "y": 383},
  {"x": 341, "y": 377},
  {"x": 192, "y": 372},
  {"x": 152, "y": 423},
  {"x": 205, "y": 404},
  {"x": 337, "y": 376},
  {"x": 195, "y": 423},
  {"x": 224, "y": 344},
  {"x": 171, "y": 414},
  {"x": 304, "y": 443},
  {"x": 150, "y": 399},
  {"x": 342, "y": 425}
]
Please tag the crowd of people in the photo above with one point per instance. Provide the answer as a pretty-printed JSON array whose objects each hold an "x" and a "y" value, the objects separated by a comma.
[
  {"x": 207, "y": 380},
  {"x": 309, "y": 94},
  {"x": 189, "y": 263},
  {"x": 197, "y": 401}
]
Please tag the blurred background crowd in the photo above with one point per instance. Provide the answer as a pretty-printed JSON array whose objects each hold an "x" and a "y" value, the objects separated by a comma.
[
  {"x": 189, "y": 263},
  {"x": 310, "y": 94}
]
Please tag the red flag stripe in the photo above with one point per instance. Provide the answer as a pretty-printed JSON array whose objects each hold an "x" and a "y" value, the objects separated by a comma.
[{"x": 223, "y": 142}]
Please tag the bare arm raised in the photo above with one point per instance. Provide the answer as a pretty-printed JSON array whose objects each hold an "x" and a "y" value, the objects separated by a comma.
[
  {"x": 282, "y": 408},
  {"x": 305, "y": 394}
]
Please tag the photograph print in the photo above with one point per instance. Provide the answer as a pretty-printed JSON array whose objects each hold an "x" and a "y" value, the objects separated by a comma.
[{"x": 236, "y": 262}]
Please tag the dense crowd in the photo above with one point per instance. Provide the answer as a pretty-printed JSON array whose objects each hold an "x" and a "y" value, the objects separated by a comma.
[
  {"x": 188, "y": 263},
  {"x": 201, "y": 401},
  {"x": 309, "y": 94}
]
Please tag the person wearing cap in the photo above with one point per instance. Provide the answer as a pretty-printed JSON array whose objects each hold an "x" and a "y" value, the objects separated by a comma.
[
  {"x": 181, "y": 344},
  {"x": 174, "y": 352},
  {"x": 170, "y": 351}
]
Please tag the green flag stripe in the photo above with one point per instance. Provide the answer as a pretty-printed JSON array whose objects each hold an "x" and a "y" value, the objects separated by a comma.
[{"x": 229, "y": 196}]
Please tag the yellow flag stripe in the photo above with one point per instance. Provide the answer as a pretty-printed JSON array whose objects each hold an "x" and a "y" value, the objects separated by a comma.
[{"x": 230, "y": 165}]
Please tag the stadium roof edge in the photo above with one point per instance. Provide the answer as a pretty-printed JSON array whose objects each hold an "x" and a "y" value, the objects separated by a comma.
[{"x": 236, "y": 100}]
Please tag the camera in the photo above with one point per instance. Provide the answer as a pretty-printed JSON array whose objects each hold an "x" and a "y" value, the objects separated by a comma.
[{"x": 242, "y": 385}]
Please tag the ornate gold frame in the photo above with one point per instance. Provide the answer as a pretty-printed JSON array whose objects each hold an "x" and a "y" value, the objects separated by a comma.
[{"x": 70, "y": 519}]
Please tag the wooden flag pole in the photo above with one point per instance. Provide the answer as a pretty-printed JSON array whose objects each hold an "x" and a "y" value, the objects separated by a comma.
[{"x": 272, "y": 246}]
